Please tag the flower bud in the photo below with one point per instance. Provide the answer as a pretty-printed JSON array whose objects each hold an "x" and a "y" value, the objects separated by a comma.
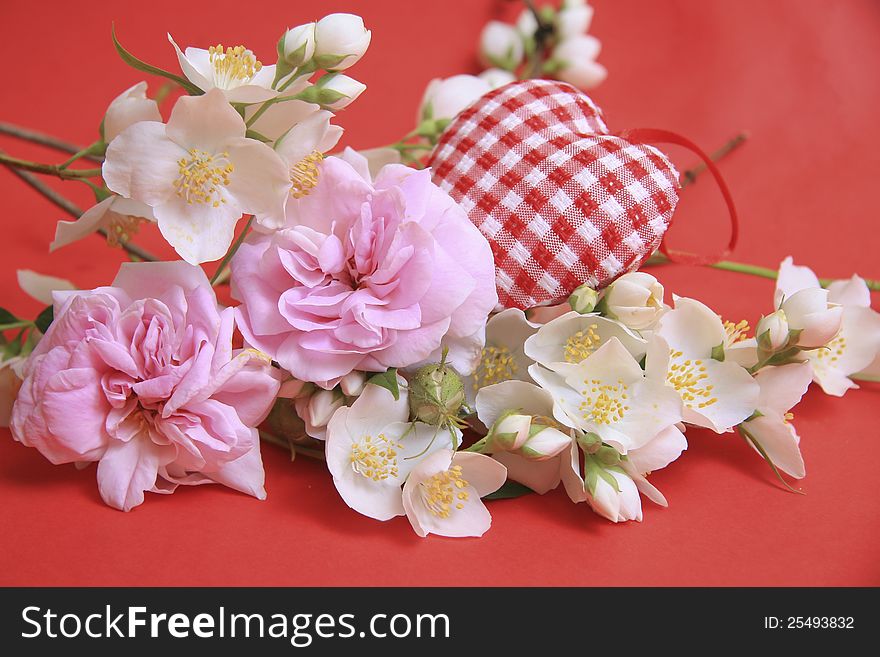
[
  {"x": 353, "y": 383},
  {"x": 583, "y": 300},
  {"x": 436, "y": 394},
  {"x": 573, "y": 20},
  {"x": 501, "y": 45},
  {"x": 772, "y": 331},
  {"x": 497, "y": 77},
  {"x": 574, "y": 59},
  {"x": 444, "y": 98},
  {"x": 128, "y": 108},
  {"x": 526, "y": 23},
  {"x": 322, "y": 405},
  {"x": 298, "y": 45},
  {"x": 544, "y": 442},
  {"x": 635, "y": 300},
  {"x": 340, "y": 41},
  {"x": 809, "y": 312},
  {"x": 335, "y": 91},
  {"x": 510, "y": 431}
]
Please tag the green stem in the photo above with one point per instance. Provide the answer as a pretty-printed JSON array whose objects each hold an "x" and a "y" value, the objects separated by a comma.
[
  {"x": 26, "y": 134},
  {"x": 865, "y": 377},
  {"x": 73, "y": 210},
  {"x": 754, "y": 270},
  {"x": 48, "y": 169},
  {"x": 88, "y": 150},
  {"x": 231, "y": 252}
]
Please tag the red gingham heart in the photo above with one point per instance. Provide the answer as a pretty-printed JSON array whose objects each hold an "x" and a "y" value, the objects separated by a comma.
[{"x": 561, "y": 201}]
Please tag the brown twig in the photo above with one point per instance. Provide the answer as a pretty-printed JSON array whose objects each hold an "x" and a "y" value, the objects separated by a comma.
[
  {"x": 74, "y": 211},
  {"x": 690, "y": 176},
  {"x": 42, "y": 139}
]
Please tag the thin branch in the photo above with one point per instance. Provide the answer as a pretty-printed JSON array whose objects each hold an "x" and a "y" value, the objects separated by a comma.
[
  {"x": 56, "y": 170},
  {"x": 75, "y": 211},
  {"x": 42, "y": 139},
  {"x": 690, "y": 176}
]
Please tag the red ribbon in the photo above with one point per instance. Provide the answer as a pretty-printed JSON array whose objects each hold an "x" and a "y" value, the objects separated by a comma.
[{"x": 653, "y": 135}]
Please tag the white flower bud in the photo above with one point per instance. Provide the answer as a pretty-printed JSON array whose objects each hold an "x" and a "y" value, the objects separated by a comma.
[
  {"x": 573, "y": 20},
  {"x": 526, "y": 23},
  {"x": 353, "y": 383},
  {"x": 635, "y": 300},
  {"x": 128, "y": 108},
  {"x": 340, "y": 41},
  {"x": 544, "y": 443},
  {"x": 511, "y": 431},
  {"x": 576, "y": 57},
  {"x": 497, "y": 77},
  {"x": 444, "y": 98},
  {"x": 809, "y": 312},
  {"x": 322, "y": 406},
  {"x": 772, "y": 331},
  {"x": 298, "y": 44},
  {"x": 336, "y": 91},
  {"x": 501, "y": 45},
  {"x": 583, "y": 300}
]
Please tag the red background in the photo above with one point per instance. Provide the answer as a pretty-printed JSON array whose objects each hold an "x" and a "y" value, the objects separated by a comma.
[{"x": 796, "y": 74}]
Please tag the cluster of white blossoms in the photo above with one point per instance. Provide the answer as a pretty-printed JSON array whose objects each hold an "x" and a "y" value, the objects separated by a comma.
[
  {"x": 549, "y": 43},
  {"x": 597, "y": 395},
  {"x": 247, "y": 140}
]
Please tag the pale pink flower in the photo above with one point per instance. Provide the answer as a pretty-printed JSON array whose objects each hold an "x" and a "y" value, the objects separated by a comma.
[
  {"x": 141, "y": 377},
  {"x": 442, "y": 494},
  {"x": 129, "y": 107},
  {"x": 367, "y": 276}
]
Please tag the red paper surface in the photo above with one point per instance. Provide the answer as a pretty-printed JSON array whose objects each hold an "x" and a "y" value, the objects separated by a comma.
[{"x": 796, "y": 74}]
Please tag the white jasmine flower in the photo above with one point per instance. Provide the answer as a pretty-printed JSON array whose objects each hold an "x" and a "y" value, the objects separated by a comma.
[
  {"x": 855, "y": 346},
  {"x": 198, "y": 173},
  {"x": 444, "y": 98},
  {"x": 502, "y": 358},
  {"x": 608, "y": 395},
  {"x": 526, "y": 23},
  {"x": 576, "y": 57},
  {"x": 497, "y": 77},
  {"x": 442, "y": 494},
  {"x": 717, "y": 395},
  {"x": 40, "y": 287},
  {"x": 372, "y": 448},
  {"x": 572, "y": 337},
  {"x": 340, "y": 41},
  {"x": 120, "y": 217},
  {"x": 129, "y": 107},
  {"x": 781, "y": 389},
  {"x": 501, "y": 46},
  {"x": 234, "y": 70},
  {"x": 573, "y": 19},
  {"x": 539, "y": 451},
  {"x": 635, "y": 300}
]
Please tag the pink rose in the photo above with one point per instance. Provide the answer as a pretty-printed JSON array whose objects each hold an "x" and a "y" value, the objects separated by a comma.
[
  {"x": 141, "y": 377},
  {"x": 367, "y": 276}
]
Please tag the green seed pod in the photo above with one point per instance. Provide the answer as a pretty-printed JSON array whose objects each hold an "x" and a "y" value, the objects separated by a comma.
[{"x": 436, "y": 394}]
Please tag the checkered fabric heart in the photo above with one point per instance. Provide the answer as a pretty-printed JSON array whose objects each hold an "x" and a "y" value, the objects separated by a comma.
[{"x": 561, "y": 201}]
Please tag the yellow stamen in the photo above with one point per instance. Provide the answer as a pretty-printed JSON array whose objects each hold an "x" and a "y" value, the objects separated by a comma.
[
  {"x": 304, "y": 174},
  {"x": 736, "y": 332},
  {"x": 604, "y": 403},
  {"x": 581, "y": 344},
  {"x": 833, "y": 351},
  {"x": 496, "y": 365},
  {"x": 233, "y": 66},
  {"x": 688, "y": 379},
  {"x": 375, "y": 459},
  {"x": 121, "y": 229},
  {"x": 442, "y": 490},
  {"x": 201, "y": 175}
]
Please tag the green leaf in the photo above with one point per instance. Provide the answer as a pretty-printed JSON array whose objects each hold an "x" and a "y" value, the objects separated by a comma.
[
  {"x": 509, "y": 490},
  {"x": 140, "y": 65},
  {"x": 253, "y": 134},
  {"x": 718, "y": 352},
  {"x": 329, "y": 62},
  {"x": 7, "y": 317},
  {"x": 44, "y": 319},
  {"x": 387, "y": 380}
]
